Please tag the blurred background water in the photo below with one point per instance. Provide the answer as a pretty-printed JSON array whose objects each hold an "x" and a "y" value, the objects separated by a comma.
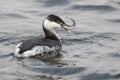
[{"x": 90, "y": 52}]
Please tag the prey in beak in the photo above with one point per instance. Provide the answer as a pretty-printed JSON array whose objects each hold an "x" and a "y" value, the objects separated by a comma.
[{"x": 67, "y": 27}]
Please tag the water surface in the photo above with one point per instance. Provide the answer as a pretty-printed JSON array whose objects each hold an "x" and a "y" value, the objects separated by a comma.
[{"x": 90, "y": 52}]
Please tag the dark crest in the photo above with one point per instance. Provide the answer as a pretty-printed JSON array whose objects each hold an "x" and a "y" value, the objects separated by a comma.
[{"x": 55, "y": 18}]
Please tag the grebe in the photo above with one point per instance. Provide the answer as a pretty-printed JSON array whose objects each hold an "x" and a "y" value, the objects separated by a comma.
[{"x": 48, "y": 46}]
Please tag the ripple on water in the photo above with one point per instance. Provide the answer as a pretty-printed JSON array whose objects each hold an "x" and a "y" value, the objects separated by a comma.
[
  {"x": 90, "y": 38},
  {"x": 6, "y": 56},
  {"x": 114, "y": 20},
  {"x": 13, "y": 38},
  {"x": 102, "y": 76},
  {"x": 93, "y": 7},
  {"x": 115, "y": 55},
  {"x": 41, "y": 68},
  {"x": 14, "y": 15},
  {"x": 59, "y": 71},
  {"x": 52, "y": 3}
]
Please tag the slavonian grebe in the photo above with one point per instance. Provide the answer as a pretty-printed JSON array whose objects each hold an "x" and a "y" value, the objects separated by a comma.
[{"x": 48, "y": 46}]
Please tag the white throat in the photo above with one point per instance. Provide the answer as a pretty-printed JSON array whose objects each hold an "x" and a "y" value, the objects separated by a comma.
[
  {"x": 49, "y": 28},
  {"x": 50, "y": 24}
]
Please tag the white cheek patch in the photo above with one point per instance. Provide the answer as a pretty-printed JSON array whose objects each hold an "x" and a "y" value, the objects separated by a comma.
[{"x": 49, "y": 25}]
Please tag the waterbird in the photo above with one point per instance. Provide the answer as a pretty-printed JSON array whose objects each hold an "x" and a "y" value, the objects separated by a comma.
[{"x": 48, "y": 46}]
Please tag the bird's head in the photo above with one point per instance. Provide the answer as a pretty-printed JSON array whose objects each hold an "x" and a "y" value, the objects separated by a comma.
[{"x": 53, "y": 21}]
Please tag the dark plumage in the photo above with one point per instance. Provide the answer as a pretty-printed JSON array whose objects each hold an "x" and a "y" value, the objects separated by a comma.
[
  {"x": 55, "y": 18},
  {"x": 31, "y": 43}
]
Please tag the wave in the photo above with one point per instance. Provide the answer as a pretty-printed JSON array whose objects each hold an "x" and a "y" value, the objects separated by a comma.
[
  {"x": 115, "y": 20},
  {"x": 102, "y": 76},
  {"x": 52, "y": 3},
  {"x": 115, "y": 55},
  {"x": 13, "y": 15},
  {"x": 57, "y": 71},
  {"x": 90, "y": 38},
  {"x": 93, "y": 7}
]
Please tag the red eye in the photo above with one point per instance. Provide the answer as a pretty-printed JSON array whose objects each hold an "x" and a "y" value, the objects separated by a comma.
[{"x": 58, "y": 22}]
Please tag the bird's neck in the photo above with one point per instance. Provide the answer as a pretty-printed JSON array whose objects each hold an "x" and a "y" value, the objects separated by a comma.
[
  {"x": 51, "y": 34},
  {"x": 49, "y": 30}
]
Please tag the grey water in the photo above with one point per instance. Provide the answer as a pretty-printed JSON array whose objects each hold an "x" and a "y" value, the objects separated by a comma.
[{"x": 90, "y": 52}]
